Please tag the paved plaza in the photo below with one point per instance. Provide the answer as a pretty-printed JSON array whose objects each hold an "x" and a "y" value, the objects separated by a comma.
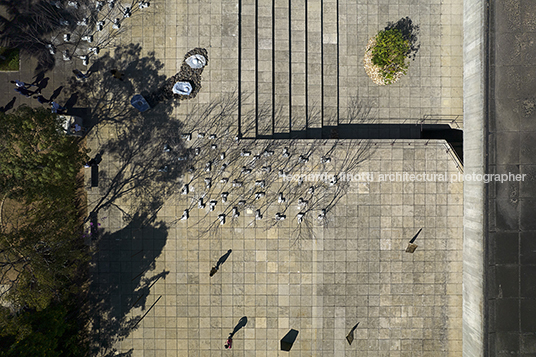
[
  {"x": 320, "y": 281},
  {"x": 279, "y": 61},
  {"x": 325, "y": 276}
]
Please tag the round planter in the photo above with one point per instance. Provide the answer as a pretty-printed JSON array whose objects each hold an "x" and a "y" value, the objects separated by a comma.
[{"x": 373, "y": 71}]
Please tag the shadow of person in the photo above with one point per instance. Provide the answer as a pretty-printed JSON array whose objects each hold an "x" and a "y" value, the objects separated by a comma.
[
  {"x": 9, "y": 105},
  {"x": 241, "y": 323},
  {"x": 415, "y": 236},
  {"x": 95, "y": 67},
  {"x": 223, "y": 258},
  {"x": 71, "y": 102},
  {"x": 38, "y": 78},
  {"x": 56, "y": 93},
  {"x": 42, "y": 84}
]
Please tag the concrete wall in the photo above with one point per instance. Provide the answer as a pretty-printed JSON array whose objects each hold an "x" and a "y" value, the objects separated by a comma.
[{"x": 475, "y": 120}]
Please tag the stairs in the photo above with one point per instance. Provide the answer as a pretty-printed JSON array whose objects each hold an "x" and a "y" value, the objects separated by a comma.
[
  {"x": 289, "y": 68},
  {"x": 296, "y": 80}
]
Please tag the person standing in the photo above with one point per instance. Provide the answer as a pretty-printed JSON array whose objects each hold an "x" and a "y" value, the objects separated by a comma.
[
  {"x": 91, "y": 163},
  {"x": 229, "y": 343},
  {"x": 222, "y": 260},
  {"x": 56, "y": 108}
]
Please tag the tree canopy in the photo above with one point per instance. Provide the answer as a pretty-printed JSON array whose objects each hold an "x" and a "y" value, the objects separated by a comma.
[
  {"x": 37, "y": 161},
  {"x": 390, "y": 53},
  {"x": 42, "y": 255},
  {"x": 49, "y": 332}
]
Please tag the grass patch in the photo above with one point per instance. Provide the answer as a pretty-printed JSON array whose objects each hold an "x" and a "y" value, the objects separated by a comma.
[{"x": 9, "y": 59}]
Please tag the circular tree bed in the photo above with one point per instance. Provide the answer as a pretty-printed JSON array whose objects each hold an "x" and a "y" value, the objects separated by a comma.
[
  {"x": 387, "y": 54},
  {"x": 375, "y": 72}
]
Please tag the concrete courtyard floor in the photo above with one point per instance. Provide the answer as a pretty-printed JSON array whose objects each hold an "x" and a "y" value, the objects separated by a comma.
[
  {"x": 319, "y": 278},
  {"x": 322, "y": 279}
]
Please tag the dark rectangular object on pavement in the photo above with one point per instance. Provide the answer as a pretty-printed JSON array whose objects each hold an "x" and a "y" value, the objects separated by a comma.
[
  {"x": 94, "y": 176},
  {"x": 288, "y": 340}
]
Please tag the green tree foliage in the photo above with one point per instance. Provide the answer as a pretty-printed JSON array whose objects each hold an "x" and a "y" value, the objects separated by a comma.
[
  {"x": 390, "y": 53},
  {"x": 42, "y": 255},
  {"x": 49, "y": 332},
  {"x": 41, "y": 258},
  {"x": 36, "y": 160},
  {"x": 9, "y": 59}
]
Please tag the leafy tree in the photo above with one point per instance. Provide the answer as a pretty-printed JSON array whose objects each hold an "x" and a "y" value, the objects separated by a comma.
[
  {"x": 390, "y": 53},
  {"x": 37, "y": 161},
  {"x": 49, "y": 332},
  {"x": 42, "y": 258},
  {"x": 396, "y": 43}
]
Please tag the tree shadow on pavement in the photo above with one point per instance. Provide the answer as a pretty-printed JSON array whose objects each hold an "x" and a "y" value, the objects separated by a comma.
[
  {"x": 134, "y": 142},
  {"x": 35, "y": 26},
  {"x": 143, "y": 170},
  {"x": 139, "y": 171},
  {"x": 107, "y": 99},
  {"x": 410, "y": 33},
  {"x": 119, "y": 293}
]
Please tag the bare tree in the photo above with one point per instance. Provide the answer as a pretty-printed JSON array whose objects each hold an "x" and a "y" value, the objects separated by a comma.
[
  {"x": 299, "y": 179},
  {"x": 64, "y": 28}
]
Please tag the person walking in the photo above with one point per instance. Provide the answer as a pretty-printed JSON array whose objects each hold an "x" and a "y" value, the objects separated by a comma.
[
  {"x": 241, "y": 323},
  {"x": 117, "y": 74},
  {"x": 228, "y": 343},
  {"x": 21, "y": 84},
  {"x": 222, "y": 260},
  {"x": 214, "y": 270},
  {"x": 23, "y": 91}
]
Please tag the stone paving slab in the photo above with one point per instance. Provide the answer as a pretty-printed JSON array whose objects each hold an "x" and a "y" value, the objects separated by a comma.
[{"x": 353, "y": 269}]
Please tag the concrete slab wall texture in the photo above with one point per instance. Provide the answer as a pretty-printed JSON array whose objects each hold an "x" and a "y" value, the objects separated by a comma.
[
  {"x": 475, "y": 117},
  {"x": 510, "y": 233}
]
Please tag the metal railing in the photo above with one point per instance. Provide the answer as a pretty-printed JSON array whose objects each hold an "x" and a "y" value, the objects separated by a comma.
[
  {"x": 451, "y": 119},
  {"x": 452, "y": 153}
]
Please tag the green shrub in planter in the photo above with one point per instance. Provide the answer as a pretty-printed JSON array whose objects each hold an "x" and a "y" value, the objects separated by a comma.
[{"x": 390, "y": 53}]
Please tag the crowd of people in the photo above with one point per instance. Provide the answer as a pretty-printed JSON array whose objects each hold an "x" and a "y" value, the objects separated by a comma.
[
  {"x": 33, "y": 89},
  {"x": 25, "y": 90}
]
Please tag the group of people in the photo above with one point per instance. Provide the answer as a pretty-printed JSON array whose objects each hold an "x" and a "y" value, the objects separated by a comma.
[{"x": 24, "y": 89}]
